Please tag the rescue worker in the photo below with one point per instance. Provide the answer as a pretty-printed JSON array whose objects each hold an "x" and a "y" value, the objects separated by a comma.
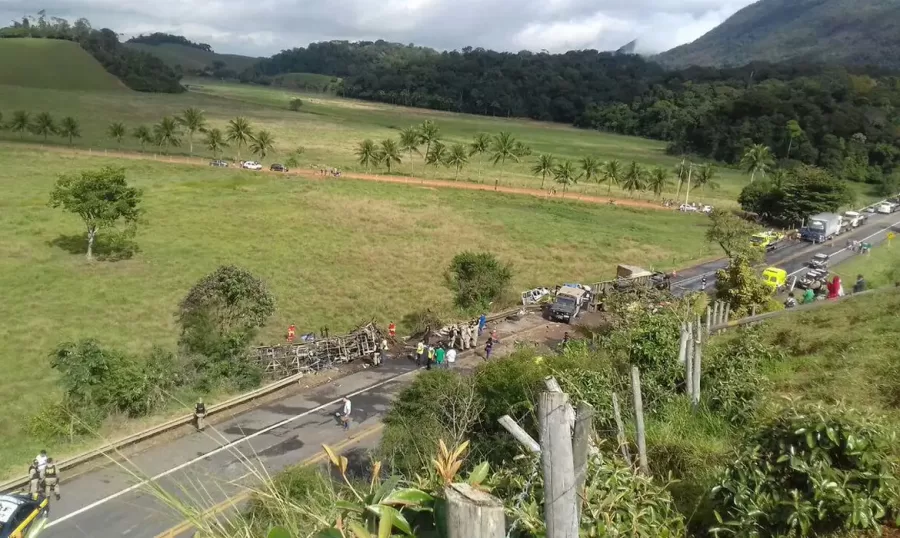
[
  {"x": 384, "y": 351},
  {"x": 392, "y": 329},
  {"x": 34, "y": 483},
  {"x": 51, "y": 479},
  {"x": 292, "y": 332},
  {"x": 454, "y": 335},
  {"x": 200, "y": 414},
  {"x": 430, "y": 358},
  {"x": 420, "y": 353}
]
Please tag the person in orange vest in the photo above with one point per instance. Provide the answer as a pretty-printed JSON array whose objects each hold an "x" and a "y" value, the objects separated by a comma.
[
  {"x": 392, "y": 329},
  {"x": 292, "y": 332}
]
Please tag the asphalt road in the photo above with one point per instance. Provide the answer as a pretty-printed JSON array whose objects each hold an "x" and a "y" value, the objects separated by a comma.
[{"x": 208, "y": 468}]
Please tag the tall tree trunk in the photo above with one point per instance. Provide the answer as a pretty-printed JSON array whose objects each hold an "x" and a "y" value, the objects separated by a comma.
[
  {"x": 543, "y": 178},
  {"x": 502, "y": 166},
  {"x": 609, "y": 188},
  {"x": 752, "y": 175},
  {"x": 191, "y": 141},
  {"x": 678, "y": 189},
  {"x": 92, "y": 233},
  {"x": 790, "y": 144}
]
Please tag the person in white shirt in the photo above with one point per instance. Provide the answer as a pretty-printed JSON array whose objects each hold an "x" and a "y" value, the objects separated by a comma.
[
  {"x": 451, "y": 357},
  {"x": 345, "y": 415},
  {"x": 41, "y": 460}
]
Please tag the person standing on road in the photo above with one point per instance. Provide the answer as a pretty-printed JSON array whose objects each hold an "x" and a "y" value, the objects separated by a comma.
[
  {"x": 488, "y": 347},
  {"x": 420, "y": 353},
  {"x": 200, "y": 415},
  {"x": 41, "y": 460},
  {"x": 34, "y": 483},
  {"x": 439, "y": 354},
  {"x": 345, "y": 413},
  {"x": 430, "y": 358},
  {"x": 482, "y": 323},
  {"x": 860, "y": 285},
  {"x": 51, "y": 479},
  {"x": 384, "y": 351},
  {"x": 451, "y": 358}
]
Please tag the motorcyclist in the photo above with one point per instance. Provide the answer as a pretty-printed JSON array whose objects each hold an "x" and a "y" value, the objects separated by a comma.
[{"x": 703, "y": 284}]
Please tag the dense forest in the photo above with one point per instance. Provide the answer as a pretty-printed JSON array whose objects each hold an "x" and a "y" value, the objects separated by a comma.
[
  {"x": 845, "y": 120},
  {"x": 159, "y": 38},
  {"x": 137, "y": 70}
]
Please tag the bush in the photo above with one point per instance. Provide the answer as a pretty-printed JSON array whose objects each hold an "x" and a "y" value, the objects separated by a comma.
[
  {"x": 809, "y": 471},
  {"x": 295, "y": 104},
  {"x": 477, "y": 279},
  {"x": 60, "y": 420}
]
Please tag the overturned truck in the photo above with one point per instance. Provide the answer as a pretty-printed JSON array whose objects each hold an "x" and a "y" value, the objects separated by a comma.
[
  {"x": 313, "y": 355},
  {"x": 629, "y": 279}
]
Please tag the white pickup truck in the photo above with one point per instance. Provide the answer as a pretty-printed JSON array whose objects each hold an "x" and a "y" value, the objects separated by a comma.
[{"x": 855, "y": 219}]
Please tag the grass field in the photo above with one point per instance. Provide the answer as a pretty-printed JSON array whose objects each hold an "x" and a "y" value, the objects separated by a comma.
[
  {"x": 174, "y": 54},
  {"x": 334, "y": 253},
  {"x": 329, "y": 128},
  {"x": 52, "y": 63},
  {"x": 880, "y": 268}
]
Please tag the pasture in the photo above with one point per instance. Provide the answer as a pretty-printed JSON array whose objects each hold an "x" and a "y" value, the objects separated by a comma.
[{"x": 52, "y": 63}]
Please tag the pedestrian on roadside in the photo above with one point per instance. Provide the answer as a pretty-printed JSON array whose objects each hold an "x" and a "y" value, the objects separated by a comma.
[
  {"x": 451, "y": 358},
  {"x": 384, "y": 351},
  {"x": 809, "y": 296},
  {"x": 860, "y": 285},
  {"x": 482, "y": 323},
  {"x": 420, "y": 353},
  {"x": 488, "y": 347},
  {"x": 439, "y": 355},
  {"x": 345, "y": 413},
  {"x": 200, "y": 415}
]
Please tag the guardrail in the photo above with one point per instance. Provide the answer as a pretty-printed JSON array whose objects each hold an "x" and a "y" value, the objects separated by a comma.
[{"x": 106, "y": 450}]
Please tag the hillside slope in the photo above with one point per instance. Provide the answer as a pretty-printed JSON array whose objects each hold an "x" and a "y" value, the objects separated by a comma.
[
  {"x": 851, "y": 32},
  {"x": 193, "y": 59},
  {"x": 54, "y": 64}
]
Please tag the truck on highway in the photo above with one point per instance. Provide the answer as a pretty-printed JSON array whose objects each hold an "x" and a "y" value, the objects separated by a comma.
[
  {"x": 768, "y": 241},
  {"x": 854, "y": 219},
  {"x": 822, "y": 227}
]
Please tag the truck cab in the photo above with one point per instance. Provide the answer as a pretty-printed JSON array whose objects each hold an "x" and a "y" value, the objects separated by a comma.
[
  {"x": 774, "y": 278},
  {"x": 567, "y": 304},
  {"x": 822, "y": 227},
  {"x": 767, "y": 241}
]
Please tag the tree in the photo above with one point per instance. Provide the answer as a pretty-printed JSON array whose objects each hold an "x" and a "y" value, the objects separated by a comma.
[
  {"x": 262, "y": 143},
  {"x": 437, "y": 155},
  {"x": 706, "y": 177},
  {"x": 590, "y": 168},
  {"x": 43, "y": 125},
  {"x": 20, "y": 122},
  {"x": 793, "y": 131},
  {"x": 366, "y": 153},
  {"x": 409, "y": 142},
  {"x": 100, "y": 197},
  {"x": 477, "y": 279},
  {"x": 293, "y": 159},
  {"x": 116, "y": 131},
  {"x": 389, "y": 153},
  {"x": 634, "y": 178},
  {"x": 295, "y": 104},
  {"x": 457, "y": 158},
  {"x": 428, "y": 135},
  {"x": 480, "y": 145},
  {"x": 165, "y": 133},
  {"x": 612, "y": 174},
  {"x": 565, "y": 174},
  {"x": 503, "y": 147},
  {"x": 143, "y": 135},
  {"x": 222, "y": 312},
  {"x": 69, "y": 128},
  {"x": 240, "y": 132},
  {"x": 659, "y": 180},
  {"x": 810, "y": 190},
  {"x": 543, "y": 167},
  {"x": 193, "y": 120},
  {"x": 683, "y": 171},
  {"x": 732, "y": 234},
  {"x": 215, "y": 141},
  {"x": 757, "y": 159},
  {"x": 740, "y": 286}
]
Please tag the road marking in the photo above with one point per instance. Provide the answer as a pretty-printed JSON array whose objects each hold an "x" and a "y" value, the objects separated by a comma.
[
  {"x": 220, "y": 507},
  {"x": 224, "y": 447},
  {"x": 885, "y": 229}
]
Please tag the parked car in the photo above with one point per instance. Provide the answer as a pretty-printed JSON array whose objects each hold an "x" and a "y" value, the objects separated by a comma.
[
  {"x": 687, "y": 208},
  {"x": 707, "y": 209},
  {"x": 219, "y": 163},
  {"x": 885, "y": 208},
  {"x": 278, "y": 168},
  {"x": 22, "y": 516},
  {"x": 251, "y": 165}
]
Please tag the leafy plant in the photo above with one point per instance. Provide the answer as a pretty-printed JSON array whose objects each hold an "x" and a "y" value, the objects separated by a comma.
[{"x": 477, "y": 279}]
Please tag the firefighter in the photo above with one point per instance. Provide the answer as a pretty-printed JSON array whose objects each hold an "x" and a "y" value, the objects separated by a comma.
[
  {"x": 392, "y": 330},
  {"x": 34, "y": 484},
  {"x": 200, "y": 414},
  {"x": 51, "y": 479},
  {"x": 292, "y": 332}
]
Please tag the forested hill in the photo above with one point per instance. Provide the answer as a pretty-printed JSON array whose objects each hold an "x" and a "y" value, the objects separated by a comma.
[{"x": 849, "y": 32}]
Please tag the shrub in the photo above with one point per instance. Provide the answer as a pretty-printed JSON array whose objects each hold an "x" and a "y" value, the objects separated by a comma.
[
  {"x": 60, "y": 420},
  {"x": 808, "y": 471},
  {"x": 295, "y": 104},
  {"x": 477, "y": 279}
]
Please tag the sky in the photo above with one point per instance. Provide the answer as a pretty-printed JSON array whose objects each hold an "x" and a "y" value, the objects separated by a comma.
[{"x": 264, "y": 27}]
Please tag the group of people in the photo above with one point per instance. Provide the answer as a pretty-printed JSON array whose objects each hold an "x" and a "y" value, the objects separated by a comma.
[
  {"x": 43, "y": 471},
  {"x": 463, "y": 336},
  {"x": 832, "y": 290}
]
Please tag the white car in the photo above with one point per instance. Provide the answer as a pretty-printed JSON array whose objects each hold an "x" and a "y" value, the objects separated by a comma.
[
  {"x": 707, "y": 209},
  {"x": 687, "y": 208},
  {"x": 251, "y": 165}
]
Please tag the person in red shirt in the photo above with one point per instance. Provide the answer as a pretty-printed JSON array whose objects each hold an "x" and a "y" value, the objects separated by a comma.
[
  {"x": 392, "y": 329},
  {"x": 292, "y": 332}
]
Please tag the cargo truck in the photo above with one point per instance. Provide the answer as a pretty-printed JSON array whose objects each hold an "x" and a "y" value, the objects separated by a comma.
[{"x": 822, "y": 227}]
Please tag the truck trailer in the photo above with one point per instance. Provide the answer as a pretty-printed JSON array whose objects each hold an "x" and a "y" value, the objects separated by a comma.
[{"x": 822, "y": 227}]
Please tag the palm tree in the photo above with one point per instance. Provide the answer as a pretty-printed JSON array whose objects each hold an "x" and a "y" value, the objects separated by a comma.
[
  {"x": 69, "y": 128},
  {"x": 143, "y": 135},
  {"x": 612, "y": 174},
  {"x": 409, "y": 142},
  {"x": 757, "y": 158},
  {"x": 457, "y": 158},
  {"x": 428, "y": 135},
  {"x": 590, "y": 168},
  {"x": 437, "y": 156},
  {"x": 504, "y": 147},
  {"x": 262, "y": 143},
  {"x": 20, "y": 122},
  {"x": 706, "y": 177},
  {"x": 521, "y": 150},
  {"x": 565, "y": 174},
  {"x": 166, "y": 133},
  {"x": 479, "y": 146},
  {"x": 43, "y": 125},
  {"x": 389, "y": 153},
  {"x": 116, "y": 131},
  {"x": 682, "y": 170},
  {"x": 366, "y": 153},
  {"x": 543, "y": 167},
  {"x": 240, "y": 132},
  {"x": 215, "y": 141},
  {"x": 193, "y": 120},
  {"x": 659, "y": 180},
  {"x": 634, "y": 178}
]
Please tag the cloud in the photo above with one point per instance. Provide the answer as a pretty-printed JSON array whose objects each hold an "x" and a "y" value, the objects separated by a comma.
[{"x": 263, "y": 27}]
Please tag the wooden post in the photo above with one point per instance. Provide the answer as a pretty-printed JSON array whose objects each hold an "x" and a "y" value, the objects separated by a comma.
[
  {"x": 708, "y": 319},
  {"x": 519, "y": 434},
  {"x": 581, "y": 446},
  {"x": 695, "y": 391},
  {"x": 620, "y": 430},
  {"x": 638, "y": 420},
  {"x": 689, "y": 360},
  {"x": 682, "y": 344},
  {"x": 472, "y": 513},
  {"x": 727, "y": 312},
  {"x": 553, "y": 386},
  {"x": 560, "y": 506}
]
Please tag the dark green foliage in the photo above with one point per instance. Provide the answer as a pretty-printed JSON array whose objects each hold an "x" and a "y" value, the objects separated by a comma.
[
  {"x": 158, "y": 38},
  {"x": 477, "y": 279},
  {"x": 804, "y": 191},
  {"x": 741, "y": 287},
  {"x": 295, "y": 104},
  {"x": 809, "y": 471}
]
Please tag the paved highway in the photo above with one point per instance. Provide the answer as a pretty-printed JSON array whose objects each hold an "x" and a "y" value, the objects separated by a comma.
[{"x": 207, "y": 468}]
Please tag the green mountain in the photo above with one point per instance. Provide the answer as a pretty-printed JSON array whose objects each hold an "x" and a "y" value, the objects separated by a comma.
[
  {"x": 850, "y": 32},
  {"x": 192, "y": 59}
]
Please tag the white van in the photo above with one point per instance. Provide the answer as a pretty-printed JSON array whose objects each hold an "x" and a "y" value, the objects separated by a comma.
[{"x": 884, "y": 207}]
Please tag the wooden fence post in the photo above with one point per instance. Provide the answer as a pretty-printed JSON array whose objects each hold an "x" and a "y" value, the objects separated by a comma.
[
  {"x": 689, "y": 360},
  {"x": 695, "y": 378},
  {"x": 581, "y": 446},
  {"x": 472, "y": 513},
  {"x": 727, "y": 312},
  {"x": 682, "y": 344},
  {"x": 519, "y": 434},
  {"x": 560, "y": 506},
  {"x": 620, "y": 430},
  {"x": 708, "y": 319},
  {"x": 639, "y": 420}
]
